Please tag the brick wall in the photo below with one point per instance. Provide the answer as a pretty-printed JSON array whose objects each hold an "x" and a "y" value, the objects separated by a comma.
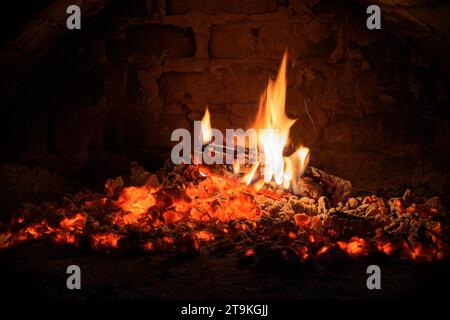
[{"x": 378, "y": 112}]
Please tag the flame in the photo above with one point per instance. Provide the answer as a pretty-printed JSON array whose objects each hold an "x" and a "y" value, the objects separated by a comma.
[
  {"x": 287, "y": 177},
  {"x": 303, "y": 158},
  {"x": 273, "y": 126},
  {"x": 206, "y": 127},
  {"x": 236, "y": 167},
  {"x": 166, "y": 218},
  {"x": 247, "y": 179}
]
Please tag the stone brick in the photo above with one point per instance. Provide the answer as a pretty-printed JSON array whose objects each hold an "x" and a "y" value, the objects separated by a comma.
[
  {"x": 220, "y": 120},
  {"x": 340, "y": 131},
  {"x": 213, "y": 86},
  {"x": 244, "y": 109},
  {"x": 133, "y": 88},
  {"x": 175, "y": 7},
  {"x": 240, "y": 122},
  {"x": 306, "y": 49},
  {"x": 157, "y": 39},
  {"x": 259, "y": 6},
  {"x": 241, "y": 6},
  {"x": 369, "y": 133},
  {"x": 243, "y": 86},
  {"x": 196, "y": 107},
  {"x": 243, "y": 41},
  {"x": 314, "y": 82},
  {"x": 195, "y": 116},
  {"x": 224, "y": 6},
  {"x": 235, "y": 41},
  {"x": 115, "y": 81},
  {"x": 367, "y": 93},
  {"x": 269, "y": 41},
  {"x": 273, "y": 39},
  {"x": 182, "y": 87},
  {"x": 173, "y": 109},
  {"x": 346, "y": 83},
  {"x": 135, "y": 8},
  {"x": 304, "y": 131}
]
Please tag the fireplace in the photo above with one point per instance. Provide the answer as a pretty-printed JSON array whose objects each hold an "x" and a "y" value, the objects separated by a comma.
[{"x": 349, "y": 172}]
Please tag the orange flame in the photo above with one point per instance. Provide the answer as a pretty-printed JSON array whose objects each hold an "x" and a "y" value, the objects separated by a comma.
[
  {"x": 273, "y": 127},
  {"x": 206, "y": 127},
  {"x": 247, "y": 179}
]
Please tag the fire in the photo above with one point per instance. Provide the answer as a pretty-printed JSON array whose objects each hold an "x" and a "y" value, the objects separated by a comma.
[
  {"x": 196, "y": 205},
  {"x": 273, "y": 133},
  {"x": 272, "y": 126},
  {"x": 303, "y": 158},
  {"x": 77, "y": 222},
  {"x": 205, "y": 235},
  {"x": 136, "y": 200},
  {"x": 105, "y": 240},
  {"x": 206, "y": 127},
  {"x": 354, "y": 247},
  {"x": 236, "y": 167},
  {"x": 208, "y": 208},
  {"x": 247, "y": 179}
]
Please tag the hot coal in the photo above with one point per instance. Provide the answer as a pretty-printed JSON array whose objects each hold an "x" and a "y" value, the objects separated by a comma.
[{"x": 199, "y": 210}]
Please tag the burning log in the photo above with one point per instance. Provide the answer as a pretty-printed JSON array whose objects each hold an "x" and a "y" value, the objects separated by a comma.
[{"x": 315, "y": 183}]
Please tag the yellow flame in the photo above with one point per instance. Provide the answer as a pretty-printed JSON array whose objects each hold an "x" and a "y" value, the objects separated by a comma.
[
  {"x": 206, "y": 127},
  {"x": 236, "y": 167},
  {"x": 249, "y": 176},
  {"x": 288, "y": 172},
  {"x": 273, "y": 127},
  {"x": 303, "y": 159},
  {"x": 259, "y": 184}
]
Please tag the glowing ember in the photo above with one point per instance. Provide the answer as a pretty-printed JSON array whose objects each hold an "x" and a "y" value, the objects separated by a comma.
[
  {"x": 207, "y": 205},
  {"x": 136, "y": 200},
  {"x": 105, "y": 240},
  {"x": 356, "y": 246},
  {"x": 205, "y": 235}
]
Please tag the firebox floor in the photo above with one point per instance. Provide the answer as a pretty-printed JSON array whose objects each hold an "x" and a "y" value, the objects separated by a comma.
[{"x": 38, "y": 271}]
